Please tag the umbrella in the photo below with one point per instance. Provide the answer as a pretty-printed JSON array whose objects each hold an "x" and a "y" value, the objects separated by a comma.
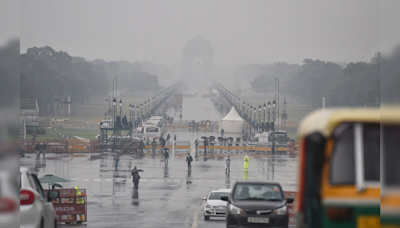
[
  {"x": 212, "y": 137},
  {"x": 204, "y": 137},
  {"x": 57, "y": 185},
  {"x": 51, "y": 179},
  {"x": 230, "y": 138},
  {"x": 220, "y": 139}
]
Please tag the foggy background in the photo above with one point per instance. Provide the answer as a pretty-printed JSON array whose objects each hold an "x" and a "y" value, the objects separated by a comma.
[{"x": 241, "y": 32}]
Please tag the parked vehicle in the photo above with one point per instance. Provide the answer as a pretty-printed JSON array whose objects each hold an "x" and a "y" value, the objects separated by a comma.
[
  {"x": 9, "y": 213},
  {"x": 36, "y": 210},
  {"x": 339, "y": 168},
  {"x": 214, "y": 206},
  {"x": 266, "y": 138},
  {"x": 257, "y": 204}
]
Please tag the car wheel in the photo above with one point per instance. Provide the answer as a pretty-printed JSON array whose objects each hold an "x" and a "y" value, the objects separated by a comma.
[{"x": 206, "y": 217}]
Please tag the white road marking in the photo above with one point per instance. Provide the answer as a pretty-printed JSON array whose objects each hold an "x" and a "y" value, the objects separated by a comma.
[
  {"x": 196, "y": 215},
  {"x": 96, "y": 179}
]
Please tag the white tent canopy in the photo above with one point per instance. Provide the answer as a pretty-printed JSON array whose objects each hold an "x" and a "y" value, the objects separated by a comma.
[{"x": 232, "y": 122}]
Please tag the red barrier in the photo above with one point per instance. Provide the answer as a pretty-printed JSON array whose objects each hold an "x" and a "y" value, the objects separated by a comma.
[{"x": 291, "y": 207}]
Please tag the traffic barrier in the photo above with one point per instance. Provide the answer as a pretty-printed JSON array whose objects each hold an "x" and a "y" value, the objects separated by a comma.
[
  {"x": 69, "y": 206},
  {"x": 291, "y": 208},
  {"x": 77, "y": 146}
]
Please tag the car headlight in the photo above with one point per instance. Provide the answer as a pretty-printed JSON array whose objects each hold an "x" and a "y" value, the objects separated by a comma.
[
  {"x": 234, "y": 210},
  {"x": 281, "y": 211},
  {"x": 208, "y": 205}
]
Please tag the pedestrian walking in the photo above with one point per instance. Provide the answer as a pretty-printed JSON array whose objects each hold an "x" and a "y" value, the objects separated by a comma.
[
  {"x": 175, "y": 138},
  {"x": 222, "y": 132},
  {"x": 37, "y": 149},
  {"x": 227, "y": 164},
  {"x": 168, "y": 137},
  {"x": 116, "y": 159},
  {"x": 154, "y": 146},
  {"x": 135, "y": 178},
  {"x": 196, "y": 143},
  {"x": 205, "y": 146},
  {"x": 141, "y": 146},
  {"x": 44, "y": 149},
  {"x": 189, "y": 160},
  {"x": 166, "y": 157},
  {"x": 246, "y": 163},
  {"x": 180, "y": 118},
  {"x": 208, "y": 126}
]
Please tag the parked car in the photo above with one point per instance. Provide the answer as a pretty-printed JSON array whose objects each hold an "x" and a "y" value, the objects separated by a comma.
[
  {"x": 256, "y": 203},
  {"x": 9, "y": 213},
  {"x": 36, "y": 210},
  {"x": 214, "y": 206}
]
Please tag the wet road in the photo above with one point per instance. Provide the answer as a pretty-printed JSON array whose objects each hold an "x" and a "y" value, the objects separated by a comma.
[{"x": 167, "y": 196}]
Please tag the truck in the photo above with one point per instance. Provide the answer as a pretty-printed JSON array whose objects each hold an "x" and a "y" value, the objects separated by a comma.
[{"x": 178, "y": 98}]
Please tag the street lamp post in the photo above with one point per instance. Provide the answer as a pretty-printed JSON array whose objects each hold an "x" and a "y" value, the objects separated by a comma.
[
  {"x": 120, "y": 109},
  {"x": 269, "y": 115},
  {"x": 114, "y": 103},
  {"x": 148, "y": 108},
  {"x": 137, "y": 114},
  {"x": 264, "y": 107},
  {"x": 255, "y": 125},
  {"x": 273, "y": 128},
  {"x": 141, "y": 113},
  {"x": 259, "y": 117},
  {"x": 130, "y": 113}
]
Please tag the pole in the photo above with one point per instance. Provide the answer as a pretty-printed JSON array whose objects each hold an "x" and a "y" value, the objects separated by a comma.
[
  {"x": 279, "y": 117},
  {"x": 323, "y": 103}
]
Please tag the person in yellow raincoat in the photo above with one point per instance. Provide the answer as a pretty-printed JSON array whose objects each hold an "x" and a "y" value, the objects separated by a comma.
[
  {"x": 79, "y": 200},
  {"x": 246, "y": 163}
]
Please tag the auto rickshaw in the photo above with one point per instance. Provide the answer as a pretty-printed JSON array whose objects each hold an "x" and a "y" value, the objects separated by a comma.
[
  {"x": 390, "y": 192},
  {"x": 339, "y": 169}
]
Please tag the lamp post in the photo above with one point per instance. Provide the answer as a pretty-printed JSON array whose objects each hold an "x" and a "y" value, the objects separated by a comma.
[
  {"x": 148, "y": 108},
  {"x": 259, "y": 117},
  {"x": 254, "y": 125},
  {"x": 114, "y": 103},
  {"x": 264, "y": 107},
  {"x": 141, "y": 112},
  {"x": 269, "y": 115},
  {"x": 137, "y": 114},
  {"x": 273, "y": 128},
  {"x": 130, "y": 113},
  {"x": 120, "y": 109},
  {"x": 145, "y": 110}
]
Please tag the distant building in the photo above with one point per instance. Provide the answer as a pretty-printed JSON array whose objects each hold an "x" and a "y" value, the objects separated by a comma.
[{"x": 198, "y": 60}]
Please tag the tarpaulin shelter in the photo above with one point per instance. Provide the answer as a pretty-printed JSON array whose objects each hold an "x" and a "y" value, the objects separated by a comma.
[{"x": 232, "y": 122}]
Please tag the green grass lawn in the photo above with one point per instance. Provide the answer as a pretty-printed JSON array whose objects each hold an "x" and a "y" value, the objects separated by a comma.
[{"x": 51, "y": 134}]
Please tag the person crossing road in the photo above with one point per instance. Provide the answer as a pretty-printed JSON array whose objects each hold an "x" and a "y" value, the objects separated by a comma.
[{"x": 189, "y": 160}]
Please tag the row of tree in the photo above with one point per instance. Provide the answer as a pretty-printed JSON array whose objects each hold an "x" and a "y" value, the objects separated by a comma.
[
  {"x": 47, "y": 74},
  {"x": 353, "y": 84}
]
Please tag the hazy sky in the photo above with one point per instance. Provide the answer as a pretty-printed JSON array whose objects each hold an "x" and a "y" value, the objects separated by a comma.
[{"x": 241, "y": 32}]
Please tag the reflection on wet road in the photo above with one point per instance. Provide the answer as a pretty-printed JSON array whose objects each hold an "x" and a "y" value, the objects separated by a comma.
[{"x": 167, "y": 196}]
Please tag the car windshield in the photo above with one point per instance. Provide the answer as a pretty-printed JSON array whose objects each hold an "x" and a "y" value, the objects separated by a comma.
[
  {"x": 267, "y": 192},
  {"x": 151, "y": 129},
  {"x": 218, "y": 195}
]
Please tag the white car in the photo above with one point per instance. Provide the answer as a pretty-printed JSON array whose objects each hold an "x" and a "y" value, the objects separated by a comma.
[
  {"x": 214, "y": 206},
  {"x": 35, "y": 210},
  {"x": 9, "y": 213}
]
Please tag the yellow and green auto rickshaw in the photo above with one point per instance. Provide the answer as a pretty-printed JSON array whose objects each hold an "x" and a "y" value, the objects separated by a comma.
[
  {"x": 339, "y": 169},
  {"x": 390, "y": 154}
]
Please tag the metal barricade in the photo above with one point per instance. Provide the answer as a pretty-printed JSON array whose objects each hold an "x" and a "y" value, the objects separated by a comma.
[{"x": 181, "y": 148}]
